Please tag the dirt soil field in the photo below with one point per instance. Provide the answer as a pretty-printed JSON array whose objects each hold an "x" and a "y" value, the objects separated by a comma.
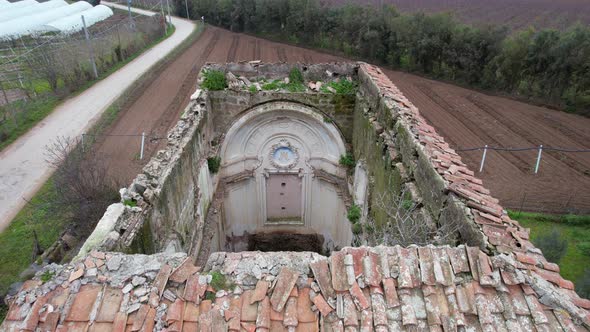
[
  {"x": 464, "y": 117},
  {"x": 516, "y": 15}
]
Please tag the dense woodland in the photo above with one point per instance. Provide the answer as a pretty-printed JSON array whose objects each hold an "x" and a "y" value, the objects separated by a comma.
[{"x": 547, "y": 66}]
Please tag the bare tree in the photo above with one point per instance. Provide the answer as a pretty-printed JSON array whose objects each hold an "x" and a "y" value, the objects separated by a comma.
[
  {"x": 81, "y": 182},
  {"x": 404, "y": 225}
]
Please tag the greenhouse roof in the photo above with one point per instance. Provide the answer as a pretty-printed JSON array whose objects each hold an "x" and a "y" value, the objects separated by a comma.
[
  {"x": 5, "y": 5},
  {"x": 73, "y": 23},
  {"x": 34, "y": 8},
  {"x": 35, "y": 24}
]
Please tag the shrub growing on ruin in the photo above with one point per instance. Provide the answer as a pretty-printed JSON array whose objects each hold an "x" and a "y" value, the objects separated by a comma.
[
  {"x": 342, "y": 87},
  {"x": 347, "y": 160},
  {"x": 552, "y": 245},
  {"x": 213, "y": 163},
  {"x": 214, "y": 80},
  {"x": 357, "y": 228},
  {"x": 354, "y": 213},
  {"x": 295, "y": 76}
]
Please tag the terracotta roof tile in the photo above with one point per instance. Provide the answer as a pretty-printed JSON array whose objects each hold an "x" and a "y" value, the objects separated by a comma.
[
  {"x": 285, "y": 282},
  {"x": 260, "y": 291},
  {"x": 338, "y": 271},
  {"x": 322, "y": 275},
  {"x": 390, "y": 292},
  {"x": 83, "y": 303},
  {"x": 304, "y": 312},
  {"x": 184, "y": 271},
  {"x": 320, "y": 302},
  {"x": 371, "y": 269},
  {"x": 263, "y": 315}
]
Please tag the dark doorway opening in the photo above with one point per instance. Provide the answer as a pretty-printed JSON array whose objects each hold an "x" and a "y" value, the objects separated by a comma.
[{"x": 284, "y": 241}]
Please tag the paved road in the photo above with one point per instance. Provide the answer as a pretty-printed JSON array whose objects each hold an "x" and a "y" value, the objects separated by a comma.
[{"x": 23, "y": 168}]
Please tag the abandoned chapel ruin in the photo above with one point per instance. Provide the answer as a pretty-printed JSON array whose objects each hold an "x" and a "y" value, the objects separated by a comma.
[{"x": 321, "y": 201}]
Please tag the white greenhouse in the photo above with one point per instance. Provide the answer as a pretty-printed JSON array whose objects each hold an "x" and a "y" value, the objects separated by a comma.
[
  {"x": 10, "y": 14},
  {"x": 73, "y": 23},
  {"x": 42, "y": 18},
  {"x": 18, "y": 4}
]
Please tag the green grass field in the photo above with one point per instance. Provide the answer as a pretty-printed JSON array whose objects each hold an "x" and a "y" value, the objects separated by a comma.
[{"x": 575, "y": 229}]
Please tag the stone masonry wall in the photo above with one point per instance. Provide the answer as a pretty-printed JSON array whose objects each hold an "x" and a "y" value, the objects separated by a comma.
[
  {"x": 402, "y": 151},
  {"x": 171, "y": 194},
  {"x": 228, "y": 104}
]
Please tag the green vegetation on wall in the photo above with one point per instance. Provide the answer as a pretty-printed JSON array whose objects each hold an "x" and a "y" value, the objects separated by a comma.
[
  {"x": 545, "y": 65},
  {"x": 214, "y": 80}
]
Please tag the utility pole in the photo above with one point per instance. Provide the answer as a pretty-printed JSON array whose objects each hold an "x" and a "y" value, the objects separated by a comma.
[
  {"x": 187, "y": 14},
  {"x": 89, "y": 45},
  {"x": 164, "y": 17},
  {"x": 169, "y": 17}
]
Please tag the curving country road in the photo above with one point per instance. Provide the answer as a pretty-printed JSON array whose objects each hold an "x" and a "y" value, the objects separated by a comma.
[{"x": 23, "y": 168}]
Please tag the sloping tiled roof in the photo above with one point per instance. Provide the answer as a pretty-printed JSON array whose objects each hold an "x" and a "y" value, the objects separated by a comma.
[{"x": 355, "y": 289}]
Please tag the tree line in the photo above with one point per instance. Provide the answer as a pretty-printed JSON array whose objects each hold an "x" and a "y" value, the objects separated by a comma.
[{"x": 547, "y": 66}]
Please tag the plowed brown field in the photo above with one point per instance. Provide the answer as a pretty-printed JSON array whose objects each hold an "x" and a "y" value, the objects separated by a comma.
[{"x": 464, "y": 117}]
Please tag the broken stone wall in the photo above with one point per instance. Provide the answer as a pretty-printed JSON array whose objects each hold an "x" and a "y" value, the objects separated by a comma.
[
  {"x": 227, "y": 105},
  {"x": 385, "y": 138},
  {"x": 171, "y": 194}
]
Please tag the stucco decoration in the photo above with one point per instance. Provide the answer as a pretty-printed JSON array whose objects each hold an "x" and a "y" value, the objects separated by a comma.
[{"x": 274, "y": 141}]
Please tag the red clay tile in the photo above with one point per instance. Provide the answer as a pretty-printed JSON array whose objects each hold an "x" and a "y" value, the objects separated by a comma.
[
  {"x": 371, "y": 269},
  {"x": 276, "y": 315},
  {"x": 150, "y": 321},
  {"x": 350, "y": 312},
  {"x": 140, "y": 318},
  {"x": 263, "y": 317},
  {"x": 338, "y": 271},
  {"x": 359, "y": 297},
  {"x": 191, "y": 288},
  {"x": 190, "y": 327},
  {"x": 260, "y": 292},
  {"x": 304, "y": 312},
  {"x": 366, "y": 320},
  {"x": 277, "y": 326},
  {"x": 357, "y": 257},
  {"x": 162, "y": 278},
  {"x": 285, "y": 282},
  {"x": 30, "y": 323},
  {"x": 184, "y": 271},
  {"x": 466, "y": 298},
  {"x": 426, "y": 266},
  {"x": 307, "y": 327},
  {"x": 378, "y": 308},
  {"x": 472, "y": 257},
  {"x": 248, "y": 327},
  {"x": 443, "y": 272},
  {"x": 409, "y": 272},
  {"x": 76, "y": 274},
  {"x": 191, "y": 312},
  {"x": 290, "y": 317},
  {"x": 322, "y": 275},
  {"x": 249, "y": 311},
  {"x": 390, "y": 293},
  {"x": 83, "y": 303},
  {"x": 111, "y": 301},
  {"x": 120, "y": 322},
  {"x": 322, "y": 305},
  {"x": 175, "y": 311}
]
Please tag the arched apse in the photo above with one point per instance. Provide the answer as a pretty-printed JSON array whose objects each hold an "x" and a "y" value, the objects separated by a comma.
[{"x": 281, "y": 173}]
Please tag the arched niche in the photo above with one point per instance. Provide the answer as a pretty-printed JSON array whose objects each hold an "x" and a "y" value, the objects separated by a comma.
[{"x": 281, "y": 173}]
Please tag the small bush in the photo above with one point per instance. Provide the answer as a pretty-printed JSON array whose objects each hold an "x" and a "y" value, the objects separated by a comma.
[
  {"x": 295, "y": 76},
  {"x": 342, "y": 87},
  {"x": 274, "y": 85},
  {"x": 47, "y": 275},
  {"x": 369, "y": 228},
  {"x": 552, "y": 245},
  {"x": 354, "y": 214},
  {"x": 252, "y": 89},
  {"x": 210, "y": 296},
  {"x": 347, "y": 160},
  {"x": 214, "y": 80},
  {"x": 584, "y": 247},
  {"x": 575, "y": 220},
  {"x": 219, "y": 282},
  {"x": 357, "y": 228},
  {"x": 214, "y": 163},
  {"x": 130, "y": 203}
]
